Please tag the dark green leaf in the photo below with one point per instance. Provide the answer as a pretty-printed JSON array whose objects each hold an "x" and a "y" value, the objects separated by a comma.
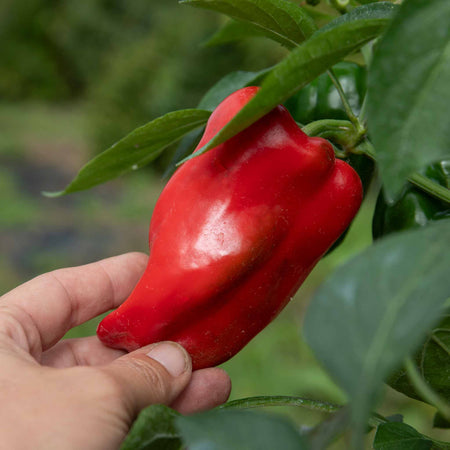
[
  {"x": 228, "y": 84},
  {"x": 234, "y": 31},
  {"x": 281, "y": 20},
  {"x": 186, "y": 146},
  {"x": 374, "y": 311},
  {"x": 400, "y": 436},
  {"x": 440, "y": 422},
  {"x": 433, "y": 363},
  {"x": 137, "y": 149},
  {"x": 301, "y": 66},
  {"x": 372, "y": 11},
  {"x": 238, "y": 430},
  {"x": 154, "y": 429},
  {"x": 395, "y": 418},
  {"x": 409, "y": 91}
]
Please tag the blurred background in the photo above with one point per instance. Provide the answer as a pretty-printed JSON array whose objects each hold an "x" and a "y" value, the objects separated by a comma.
[{"x": 77, "y": 76}]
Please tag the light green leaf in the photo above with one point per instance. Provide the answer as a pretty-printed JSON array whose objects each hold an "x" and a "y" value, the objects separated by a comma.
[
  {"x": 301, "y": 66},
  {"x": 234, "y": 31},
  {"x": 281, "y": 400},
  {"x": 238, "y": 430},
  {"x": 409, "y": 95},
  {"x": 376, "y": 309},
  {"x": 137, "y": 149},
  {"x": 281, "y": 20},
  {"x": 154, "y": 429},
  {"x": 400, "y": 436}
]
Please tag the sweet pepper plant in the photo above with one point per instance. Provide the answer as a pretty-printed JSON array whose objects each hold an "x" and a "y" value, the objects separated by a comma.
[{"x": 372, "y": 78}]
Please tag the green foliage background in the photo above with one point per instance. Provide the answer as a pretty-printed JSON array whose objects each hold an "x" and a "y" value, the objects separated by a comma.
[{"x": 127, "y": 61}]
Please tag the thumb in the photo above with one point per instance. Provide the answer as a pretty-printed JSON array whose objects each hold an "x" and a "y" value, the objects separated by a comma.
[{"x": 155, "y": 374}]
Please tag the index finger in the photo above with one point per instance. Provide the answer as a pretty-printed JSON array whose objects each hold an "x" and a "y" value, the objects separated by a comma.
[{"x": 55, "y": 302}]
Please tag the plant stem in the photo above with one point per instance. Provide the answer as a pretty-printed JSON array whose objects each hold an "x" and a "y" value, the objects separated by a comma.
[
  {"x": 425, "y": 391},
  {"x": 317, "y": 127},
  {"x": 424, "y": 183},
  {"x": 419, "y": 180},
  {"x": 348, "y": 109},
  {"x": 362, "y": 113},
  {"x": 439, "y": 342},
  {"x": 339, "y": 132}
]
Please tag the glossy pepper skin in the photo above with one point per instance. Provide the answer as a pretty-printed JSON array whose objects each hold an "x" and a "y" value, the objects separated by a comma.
[
  {"x": 233, "y": 235},
  {"x": 414, "y": 208},
  {"x": 365, "y": 168},
  {"x": 320, "y": 100}
]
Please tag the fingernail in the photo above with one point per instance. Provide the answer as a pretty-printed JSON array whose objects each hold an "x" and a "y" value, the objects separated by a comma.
[{"x": 171, "y": 356}]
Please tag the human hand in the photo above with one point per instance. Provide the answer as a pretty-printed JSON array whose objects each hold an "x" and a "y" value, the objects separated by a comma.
[{"x": 77, "y": 393}]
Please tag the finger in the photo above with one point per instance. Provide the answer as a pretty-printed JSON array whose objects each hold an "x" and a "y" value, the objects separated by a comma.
[
  {"x": 207, "y": 389},
  {"x": 87, "y": 351},
  {"x": 55, "y": 302},
  {"x": 156, "y": 374}
]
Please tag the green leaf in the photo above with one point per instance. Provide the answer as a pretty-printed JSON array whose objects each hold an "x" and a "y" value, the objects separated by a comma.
[
  {"x": 281, "y": 400},
  {"x": 365, "y": 2},
  {"x": 400, "y": 436},
  {"x": 137, "y": 149},
  {"x": 300, "y": 67},
  {"x": 409, "y": 91},
  {"x": 281, "y": 20},
  {"x": 328, "y": 430},
  {"x": 374, "y": 311},
  {"x": 222, "y": 89},
  {"x": 234, "y": 31},
  {"x": 439, "y": 421},
  {"x": 372, "y": 11},
  {"x": 186, "y": 146},
  {"x": 229, "y": 84},
  {"x": 154, "y": 429},
  {"x": 238, "y": 430},
  {"x": 433, "y": 363}
]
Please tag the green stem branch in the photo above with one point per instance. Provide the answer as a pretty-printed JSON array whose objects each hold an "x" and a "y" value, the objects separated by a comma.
[
  {"x": 363, "y": 112},
  {"x": 318, "y": 127},
  {"x": 424, "y": 183},
  {"x": 348, "y": 109},
  {"x": 419, "y": 180},
  {"x": 425, "y": 391}
]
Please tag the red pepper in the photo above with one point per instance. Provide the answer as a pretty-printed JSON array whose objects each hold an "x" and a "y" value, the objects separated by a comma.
[{"x": 234, "y": 234}]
